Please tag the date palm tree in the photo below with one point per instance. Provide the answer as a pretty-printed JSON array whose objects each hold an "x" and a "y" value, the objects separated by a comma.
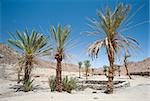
[
  {"x": 30, "y": 46},
  {"x": 108, "y": 24},
  {"x": 119, "y": 70},
  {"x": 87, "y": 66},
  {"x": 105, "y": 69},
  {"x": 80, "y": 65},
  {"x": 59, "y": 37},
  {"x": 125, "y": 64}
]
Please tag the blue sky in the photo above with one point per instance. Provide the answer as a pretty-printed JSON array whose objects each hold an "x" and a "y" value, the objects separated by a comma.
[{"x": 40, "y": 14}]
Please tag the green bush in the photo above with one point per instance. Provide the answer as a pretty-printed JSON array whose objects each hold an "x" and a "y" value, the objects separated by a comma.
[
  {"x": 52, "y": 83},
  {"x": 68, "y": 83},
  {"x": 27, "y": 86}
]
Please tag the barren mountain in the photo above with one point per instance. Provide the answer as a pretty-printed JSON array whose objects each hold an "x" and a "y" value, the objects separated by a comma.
[
  {"x": 135, "y": 67},
  {"x": 9, "y": 56}
]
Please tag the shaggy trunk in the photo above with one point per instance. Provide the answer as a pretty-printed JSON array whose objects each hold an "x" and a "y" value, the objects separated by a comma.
[
  {"x": 125, "y": 63},
  {"x": 58, "y": 76},
  {"x": 86, "y": 73},
  {"x": 28, "y": 68},
  {"x": 110, "y": 76}
]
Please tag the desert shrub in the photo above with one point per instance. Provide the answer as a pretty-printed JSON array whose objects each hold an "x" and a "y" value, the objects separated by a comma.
[
  {"x": 27, "y": 86},
  {"x": 52, "y": 83},
  {"x": 68, "y": 83}
]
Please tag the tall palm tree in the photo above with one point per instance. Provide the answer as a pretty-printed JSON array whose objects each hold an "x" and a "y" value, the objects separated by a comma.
[
  {"x": 125, "y": 64},
  {"x": 113, "y": 41},
  {"x": 80, "y": 65},
  {"x": 59, "y": 37},
  {"x": 30, "y": 46},
  {"x": 87, "y": 66}
]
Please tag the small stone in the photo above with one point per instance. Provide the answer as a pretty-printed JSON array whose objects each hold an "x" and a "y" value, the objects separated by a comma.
[
  {"x": 95, "y": 98},
  {"x": 94, "y": 92}
]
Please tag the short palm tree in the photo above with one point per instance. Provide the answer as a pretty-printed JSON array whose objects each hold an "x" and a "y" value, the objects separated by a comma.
[
  {"x": 30, "y": 46},
  {"x": 105, "y": 69},
  {"x": 113, "y": 41},
  {"x": 80, "y": 65},
  {"x": 92, "y": 71},
  {"x": 87, "y": 66},
  {"x": 119, "y": 70},
  {"x": 126, "y": 66},
  {"x": 59, "y": 37}
]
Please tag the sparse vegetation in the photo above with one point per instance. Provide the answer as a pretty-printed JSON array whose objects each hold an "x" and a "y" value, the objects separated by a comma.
[
  {"x": 126, "y": 66},
  {"x": 87, "y": 67},
  {"x": 119, "y": 70},
  {"x": 27, "y": 86},
  {"x": 52, "y": 83},
  {"x": 108, "y": 24},
  {"x": 29, "y": 46},
  {"x": 59, "y": 37},
  {"x": 105, "y": 70},
  {"x": 68, "y": 84},
  {"x": 80, "y": 65}
]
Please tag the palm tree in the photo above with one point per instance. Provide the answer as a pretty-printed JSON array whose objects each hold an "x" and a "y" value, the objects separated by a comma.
[
  {"x": 119, "y": 70},
  {"x": 113, "y": 41},
  {"x": 30, "y": 47},
  {"x": 87, "y": 66},
  {"x": 80, "y": 65},
  {"x": 59, "y": 37},
  {"x": 125, "y": 64},
  {"x": 105, "y": 70},
  {"x": 93, "y": 71}
]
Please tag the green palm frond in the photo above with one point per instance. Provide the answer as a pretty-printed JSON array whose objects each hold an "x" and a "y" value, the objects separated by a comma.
[
  {"x": 60, "y": 37},
  {"x": 108, "y": 23},
  {"x": 33, "y": 44}
]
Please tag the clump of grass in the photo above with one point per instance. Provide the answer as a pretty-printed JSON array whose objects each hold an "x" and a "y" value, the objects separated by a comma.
[
  {"x": 52, "y": 83},
  {"x": 27, "y": 86},
  {"x": 68, "y": 84}
]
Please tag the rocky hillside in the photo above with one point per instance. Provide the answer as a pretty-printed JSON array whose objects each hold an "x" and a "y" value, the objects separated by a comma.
[
  {"x": 137, "y": 67},
  {"x": 52, "y": 65},
  {"x": 7, "y": 54}
]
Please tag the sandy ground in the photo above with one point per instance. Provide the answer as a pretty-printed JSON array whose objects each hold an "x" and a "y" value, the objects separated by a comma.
[{"x": 139, "y": 89}]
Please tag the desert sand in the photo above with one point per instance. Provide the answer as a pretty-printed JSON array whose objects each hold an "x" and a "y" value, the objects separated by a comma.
[{"x": 139, "y": 89}]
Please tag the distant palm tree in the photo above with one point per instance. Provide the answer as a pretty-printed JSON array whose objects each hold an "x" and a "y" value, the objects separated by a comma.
[
  {"x": 93, "y": 71},
  {"x": 119, "y": 70},
  {"x": 105, "y": 69},
  {"x": 108, "y": 24},
  {"x": 80, "y": 65},
  {"x": 59, "y": 37},
  {"x": 125, "y": 64},
  {"x": 87, "y": 66},
  {"x": 30, "y": 46}
]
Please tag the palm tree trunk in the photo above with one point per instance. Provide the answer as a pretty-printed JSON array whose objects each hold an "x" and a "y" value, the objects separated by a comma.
[
  {"x": 110, "y": 79},
  {"x": 58, "y": 76},
  {"x": 28, "y": 68},
  {"x": 127, "y": 70},
  {"x": 26, "y": 75},
  {"x": 79, "y": 72},
  {"x": 110, "y": 76},
  {"x": 86, "y": 74}
]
